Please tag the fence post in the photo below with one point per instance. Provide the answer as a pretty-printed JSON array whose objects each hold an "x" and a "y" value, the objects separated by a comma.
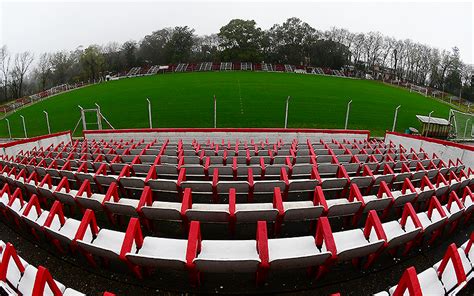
[
  {"x": 215, "y": 112},
  {"x": 429, "y": 122},
  {"x": 395, "y": 118},
  {"x": 8, "y": 126},
  {"x": 99, "y": 117},
  {"x": 24, "y": 125},
  {"x": 47, "y": 121},
  {"x": 83, "y": 117},
  {"x": 286, "y": 111},
  {"x": 149, "y": 113},
  {"x": 347, "y": 113}
]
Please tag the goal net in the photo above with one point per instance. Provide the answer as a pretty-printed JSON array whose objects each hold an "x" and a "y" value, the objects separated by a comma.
[
  {"x": 419, "y": 89},
  {"x": 462, "y": 125}
]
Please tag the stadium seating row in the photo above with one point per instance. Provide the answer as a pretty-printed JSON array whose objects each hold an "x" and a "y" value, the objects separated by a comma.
[
  {"x": 276, "y": 210},
  {"x": 263, "y": 184},
  {"x": 352, "y": 164},
  {"x": 156, "y": 176},
  {"x": 16, "y": 275},
  {"x": 283, "y": 199},
  {"x": 447, "y": 276},
  {"x": 257, "y": 255}
]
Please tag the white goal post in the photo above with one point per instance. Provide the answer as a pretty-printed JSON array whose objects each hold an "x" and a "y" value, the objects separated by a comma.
[
  {"x": 462, "y": 125},
  {"x": 419, "y": 89}
]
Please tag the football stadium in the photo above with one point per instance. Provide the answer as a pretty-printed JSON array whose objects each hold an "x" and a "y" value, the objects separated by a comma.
[{"x": 286, "y": 160}]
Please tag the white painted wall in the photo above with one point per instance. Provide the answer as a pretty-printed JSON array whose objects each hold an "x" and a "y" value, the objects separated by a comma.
[
  {"x": 33, "y": 142},
  {"x": 445, "y": 152},
  {"x": 227, "y": 136}
]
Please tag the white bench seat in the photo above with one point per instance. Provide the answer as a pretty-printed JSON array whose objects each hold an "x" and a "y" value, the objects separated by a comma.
[
  {"x": 396, "y": 235},
  {"x": 295, "y": 252},
  {"x": 353, "y": 244},
  {"x": 342, "y": 207},
  {"x": 107, "y": 244},
  {"x": 124, "y": 206},
  {"x": 253, "y": 212},
  {"x": 132, "y": 182},
  {"x": 162, "y": 210},
  {"x": 160, "y": 252},
  {"x": 429, "y": 283},
  {"x": 209, "y": 212},
  {"x": 27, "y": 283},
  {"x": 301, "y": 210},
  {"x": 65, "y": 233},
  {"x": 228, "y": 256},
  {"x": 93, "y": 202}
]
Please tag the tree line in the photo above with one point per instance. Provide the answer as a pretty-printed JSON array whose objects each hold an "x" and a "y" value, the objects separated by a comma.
[{"x": 292, "y": 42}]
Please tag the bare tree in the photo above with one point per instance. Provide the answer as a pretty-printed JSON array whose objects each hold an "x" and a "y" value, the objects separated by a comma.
[
  {"x": 20, "y": 68},
  {"x": 43, "y": 70},
  {"x": 357, "y": 47},
  {"x": 5, "y": 70}
]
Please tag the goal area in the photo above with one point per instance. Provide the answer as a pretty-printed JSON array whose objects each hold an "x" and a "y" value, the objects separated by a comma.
[
  {"x": 462, "y": 125},
  {"x": 419, "y": 89}
]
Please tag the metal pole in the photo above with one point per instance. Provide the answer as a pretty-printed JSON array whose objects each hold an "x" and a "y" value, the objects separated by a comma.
[
  {"x": 286, "y": 111},
  {"x": 84, "y": 125},
  {"x": 347, "y": 113},
  {"x": 395, "y": 118},
  {"x": 47, "y": 121},
  {"x": 149, "y": 112},
  {"x": 8, "y": 126},
  {"x": 465, "y": 128},
  {"x": 429, "y": 122},
  {"x": 24, "y": 125},
  {"x": 215, "y": 112},
  {"x": 460, "y": 95},
  {"x": 99, "y": 117}
]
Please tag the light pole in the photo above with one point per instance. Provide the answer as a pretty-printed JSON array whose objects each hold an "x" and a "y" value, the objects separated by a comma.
[
  {"x": 8, "y": 126},
  {"x": 347, "y": 113},
  {"x": 395, "y": 118},
  {"x": 24, "y": 125},
  {"x": 47, "y": 121},
  {"x": 286, "y": 111},
  {"x": 149, "y": 112}
]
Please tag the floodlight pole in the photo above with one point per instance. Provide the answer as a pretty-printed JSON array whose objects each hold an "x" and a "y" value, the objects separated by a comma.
[
  {"x": 286, "y": 111},
  {"x": 149, "y": 112},
  {"x": 47, "y": 121},
  {"x": 429, "y": 122},
  {"x": 215, "y": 112},
  {"x": 8, "y": 126},
  {"x": 347, "y": 113},
  {"x": 395, "y": 118},
  {"x": 465, "y": 128},
  {"x": 24, "y": 125}
]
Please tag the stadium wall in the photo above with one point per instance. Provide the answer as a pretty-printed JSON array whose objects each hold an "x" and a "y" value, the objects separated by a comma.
[
  {"x": 232, "y": 134},
  {"x": 444, "y": 149},
  {"x": 12, "y": 148}
]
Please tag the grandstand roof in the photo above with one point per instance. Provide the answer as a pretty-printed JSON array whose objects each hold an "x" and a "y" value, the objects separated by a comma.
[{"x": 433, "y": 120}]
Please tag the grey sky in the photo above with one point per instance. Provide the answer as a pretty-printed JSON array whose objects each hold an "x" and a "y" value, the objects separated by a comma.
[{"x": 50, "y": 26}]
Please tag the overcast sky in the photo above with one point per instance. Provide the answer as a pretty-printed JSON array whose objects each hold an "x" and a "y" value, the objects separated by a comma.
[{"x": 42, "y": 26}]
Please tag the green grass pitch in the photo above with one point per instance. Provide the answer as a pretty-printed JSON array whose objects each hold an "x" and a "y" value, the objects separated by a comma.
[{"x": 244, "y": 99}]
